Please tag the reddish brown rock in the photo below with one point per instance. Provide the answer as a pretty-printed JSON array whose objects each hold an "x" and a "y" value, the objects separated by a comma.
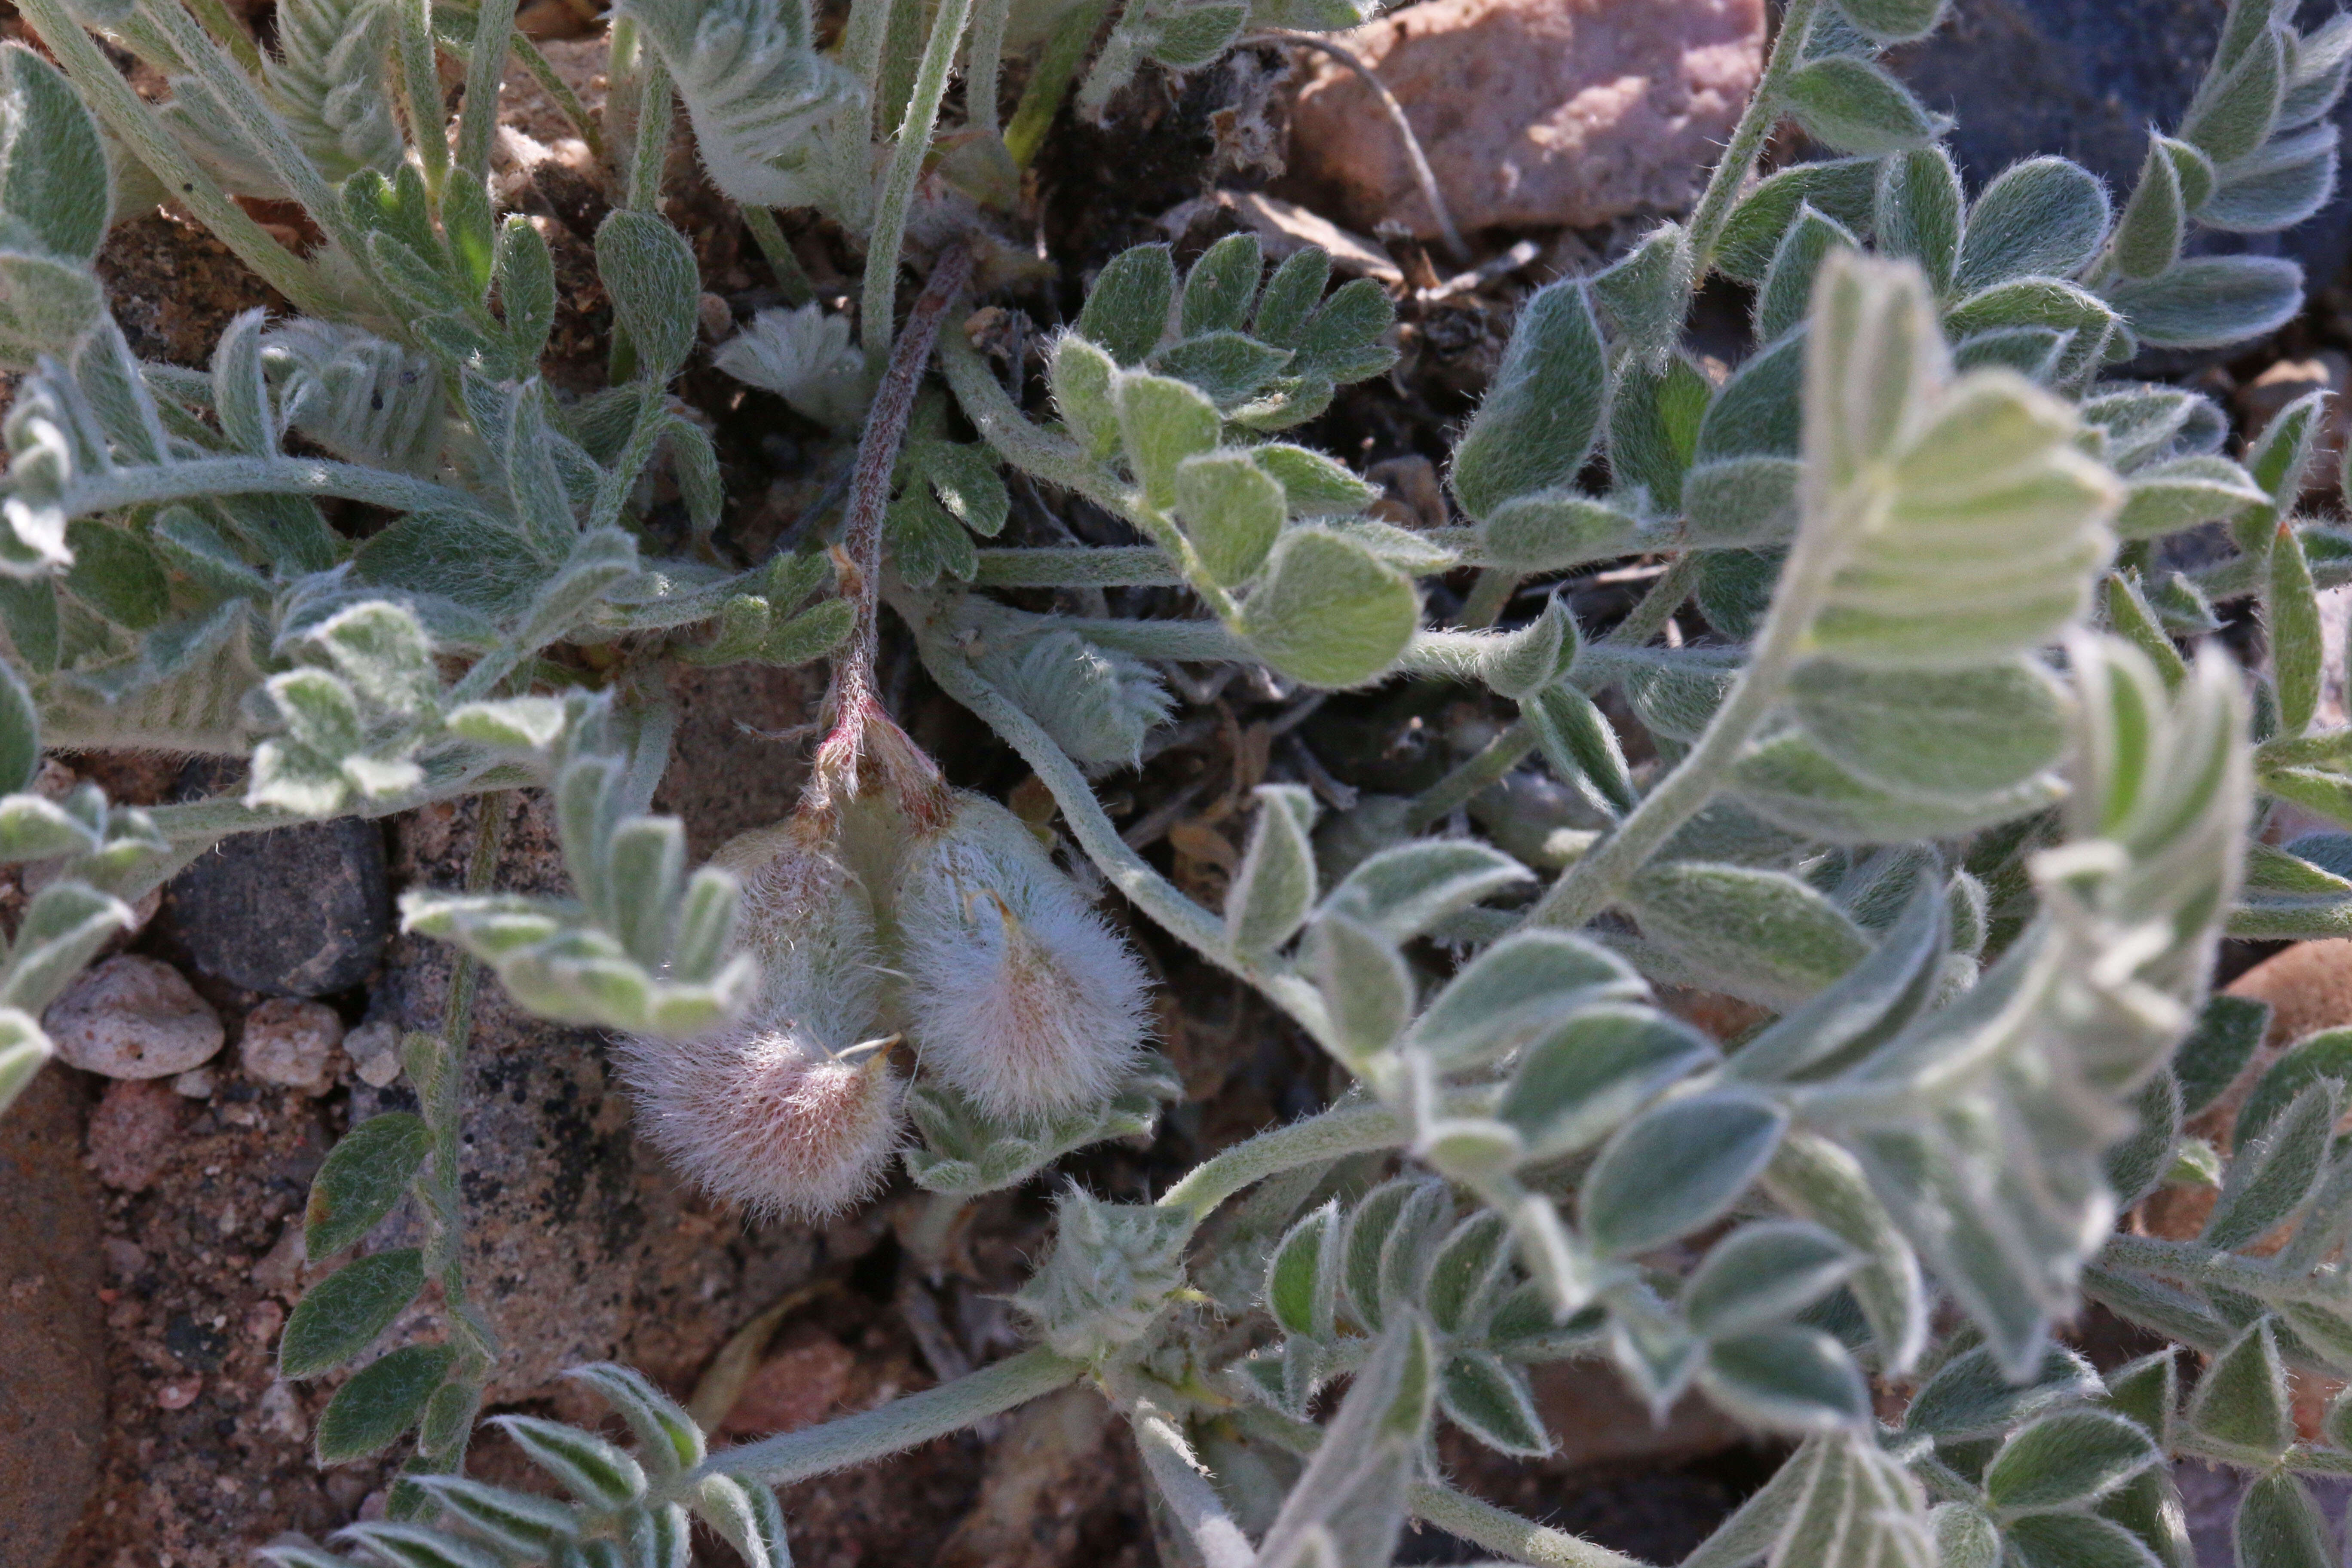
[
  {"x": 796, "y": 1387},
  {"x": 52, "y": 1336},
  {"x": 1533, "y": 113}
]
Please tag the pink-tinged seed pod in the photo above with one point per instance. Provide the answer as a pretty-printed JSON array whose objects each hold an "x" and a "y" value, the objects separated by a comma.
[
  {"x": 1016, "y": 991},
  {"x": 794, "y": 1109}
]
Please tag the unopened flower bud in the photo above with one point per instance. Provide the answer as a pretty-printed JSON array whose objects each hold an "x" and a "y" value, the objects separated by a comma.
[
  {"x": 1016, "y": 991},
  {"x": 794, "y": 1110}
]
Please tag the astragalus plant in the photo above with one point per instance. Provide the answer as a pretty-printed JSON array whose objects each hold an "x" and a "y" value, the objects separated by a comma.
[{"x": 1940, "y": 793}]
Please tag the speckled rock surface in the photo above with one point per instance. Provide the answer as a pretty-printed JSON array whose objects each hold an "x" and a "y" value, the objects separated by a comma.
[
  {"x": 133, "y": 1017},
  {"x": 1533, "y": 113},
  {"x": 302, "y": 911},
  {"x": 52, "y": 1332}
]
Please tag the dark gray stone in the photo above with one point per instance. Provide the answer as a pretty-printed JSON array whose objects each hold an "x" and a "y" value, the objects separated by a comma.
[
  {"x": 302, "y": 911},
  {"x": 2086, "y": 78}
]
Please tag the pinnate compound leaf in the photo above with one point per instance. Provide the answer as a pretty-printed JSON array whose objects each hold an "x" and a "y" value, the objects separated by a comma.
[
  {"x": 364, "y": 1175},
  {"x": 383, "y": 1400},
  {"x": 2066, "y": 1459},
  {"x": 1329, "y": 613},
  {"x": 1821, "y": 1181},
  {"x": 1678, "y": 1167},
  {"x": 1993, "y": 523},
  {"x": 341, "y": 1315},
  {"x": 1163, "y": 421}
]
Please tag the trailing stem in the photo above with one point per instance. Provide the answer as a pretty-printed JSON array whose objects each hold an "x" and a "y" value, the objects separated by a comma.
[{"x": 914, "y": 140}]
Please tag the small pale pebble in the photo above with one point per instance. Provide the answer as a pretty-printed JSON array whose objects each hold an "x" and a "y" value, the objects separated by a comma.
[
  {"x": 374, "y": 1049},
  {"x": 280, "y": 1268},
  {"x": 179, "y": 1392},
  {"x": 718, "y": 322},
  {"x": 282, "y": 1413},
  {"x": 197, "y": 1083},
  {"x": 132, "y": 1017},
  {"x": 124, "y": 1258},
  {"x": 131, "y": 1134},
  {"x": 288, "y": 1042}
]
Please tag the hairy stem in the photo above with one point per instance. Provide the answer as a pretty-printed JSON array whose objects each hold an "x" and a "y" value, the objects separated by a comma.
[
  {"x": 420, "y": 89},
  {"x": 2193, "y": 1263},
  {"x": 982, "y": 56},
  {"x": 120, "y": 488},
  {"x": 229, "y": 32},
  {"x": 1041, "y": 99},
  {"x": 1499, "y": 1530},
  {"x": 1472, "y": 775},
  {"x": 1184, "y": 1483},
  {"x": 876, "y": 306},
  {"x": 131, "y": 118},
  {"x": 1747, "y": 138},
  {"x": 1593, "y": 883},
  {"x": 1328, "y": 1135},
  {"x": 1489, "y": 595},
  {"x": 791, "y": 278},
  {"x": 899, "y": 1424},
  {"x": 486, "y": 68},
  {"x": 1078, "y": 567},
  {"x": 853, "y": 697},
  {"x": 656, "y": 102},
  {"x": 559, "y": 92}
]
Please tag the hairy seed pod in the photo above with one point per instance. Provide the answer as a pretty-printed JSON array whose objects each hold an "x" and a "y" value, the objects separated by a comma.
[
  {"x": 1016, "y": 991},
  {"x": 792, "y": 1111}
]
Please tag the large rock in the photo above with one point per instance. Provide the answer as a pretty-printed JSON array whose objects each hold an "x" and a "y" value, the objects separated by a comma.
[
  {"x": 300, "y": 911},
  {"x": 2028, "y": 77},
  {"x": 1533, "y": 113},
  {"x": 52, "y": 1335}
]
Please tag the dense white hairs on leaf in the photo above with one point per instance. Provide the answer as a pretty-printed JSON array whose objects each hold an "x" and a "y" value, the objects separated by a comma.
[
  {"x": 1017, "y": 993},
  {"x": 329, "y": 79},
  {"x": 760, "y": 95},
  {"x": 805, "y": 357},
  {"x": 763, "y": 1112},
  {"x": 363, "y": 398},
  {"x": 1097, "y": 704},
  {"x": 206, "y": 133}
]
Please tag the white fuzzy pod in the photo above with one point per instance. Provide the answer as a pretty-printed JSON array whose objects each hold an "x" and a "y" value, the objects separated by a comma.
[
  {"x": 763, "y": 1113},
  {"x": 1016, "y": 991}
]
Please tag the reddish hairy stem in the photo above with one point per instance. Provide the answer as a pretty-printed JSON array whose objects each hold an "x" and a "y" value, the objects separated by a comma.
[{"x": 856, "y": 708}]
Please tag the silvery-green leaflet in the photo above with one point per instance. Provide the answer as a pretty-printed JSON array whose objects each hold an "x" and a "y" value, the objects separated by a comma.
[{"x": 1959, "y": 792}]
